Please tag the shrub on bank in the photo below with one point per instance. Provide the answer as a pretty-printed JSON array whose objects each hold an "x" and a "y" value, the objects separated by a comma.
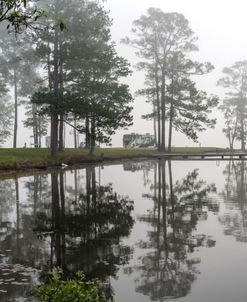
[{"x": 72, "y": 290}]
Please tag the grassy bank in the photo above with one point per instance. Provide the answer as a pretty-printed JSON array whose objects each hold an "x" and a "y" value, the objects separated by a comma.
[{"x": 25, "y": 159}]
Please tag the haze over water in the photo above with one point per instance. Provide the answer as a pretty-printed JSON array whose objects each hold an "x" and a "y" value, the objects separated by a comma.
[{"x": 149, "y": 231}]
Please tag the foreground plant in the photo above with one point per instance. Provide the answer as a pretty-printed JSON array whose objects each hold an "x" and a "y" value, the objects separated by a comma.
[{"x": 72, "y": 290}]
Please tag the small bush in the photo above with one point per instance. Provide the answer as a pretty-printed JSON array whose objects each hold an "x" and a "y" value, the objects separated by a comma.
[{"x": 73, "y": 290}]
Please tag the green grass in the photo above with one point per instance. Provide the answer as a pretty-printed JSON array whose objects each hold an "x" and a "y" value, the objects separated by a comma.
[{"x": 23, "y": 159}]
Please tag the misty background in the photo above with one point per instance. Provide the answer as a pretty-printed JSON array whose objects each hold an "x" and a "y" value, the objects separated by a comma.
[{"x": 220, "y": 28}]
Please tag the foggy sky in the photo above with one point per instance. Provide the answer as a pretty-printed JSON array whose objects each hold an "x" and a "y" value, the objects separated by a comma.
[{"x": 221, "y": 28}]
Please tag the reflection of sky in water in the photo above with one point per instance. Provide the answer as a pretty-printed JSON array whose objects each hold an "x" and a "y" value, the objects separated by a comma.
[{"x": 214, "y": 274}]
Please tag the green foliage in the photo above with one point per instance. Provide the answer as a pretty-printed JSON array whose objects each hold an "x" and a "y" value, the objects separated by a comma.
[
  {"x": 190, "y": 108},
  {"x": 19, "y": 14},
  {"x": 72, "y": 290},
  {"x": 83, "y": 72}
]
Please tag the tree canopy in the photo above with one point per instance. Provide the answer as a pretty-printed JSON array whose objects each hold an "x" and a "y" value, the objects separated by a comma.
[
  {"x": 164, "y": 41},
  {"x": 19, "y": 14},
  {"x": 234, "y": 106}
]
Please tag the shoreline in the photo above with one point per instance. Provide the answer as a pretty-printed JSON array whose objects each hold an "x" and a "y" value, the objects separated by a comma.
[{"x": 19, "y": 161}]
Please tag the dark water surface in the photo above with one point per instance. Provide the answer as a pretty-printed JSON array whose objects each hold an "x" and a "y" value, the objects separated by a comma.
[{"x": 149, "y": 231}]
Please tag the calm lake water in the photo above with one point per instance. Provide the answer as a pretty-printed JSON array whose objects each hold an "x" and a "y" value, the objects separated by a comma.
[{"x": 150, "y": 231}]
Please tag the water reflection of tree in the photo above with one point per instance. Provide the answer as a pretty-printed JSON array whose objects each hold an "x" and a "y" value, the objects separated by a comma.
[
  {"x": 17, "y": 242},
  {"x": 86, "y": 234},
  {"x": 78, "y": 226},
  {"x": 235, "y": 198},
  {"x": 29, "y": 251},
  {"x": 168, "y": 267}
]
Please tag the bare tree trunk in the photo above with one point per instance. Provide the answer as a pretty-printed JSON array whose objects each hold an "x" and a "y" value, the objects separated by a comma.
[
  {"x": 155, "y": 123},
  {"x": 54, "y": 134},
  {"x": 231, "y": 146},
  {"x": 92, "y": 140},
  {"x": 61, "y": 129},
  {"x": 88, "y": 137},
  {"x": 64, "y": 134},
  {"x": 230, "y": 140},
  {"x": 163, "y": 112},
  {"x": 75, "y": 132},
  {"x": 54, "y": 115},
  {"x": 61, "y": 123},
  {"x": 170, "y": 130},
  {"x": 39, "y": 132},
  {"x": 234, "y": 134},
  {"x": 158, "y": 103},
  {"x": 49, "y": 68},
  {"x": 35, "y": 126},
  {"x": 171, "y": 122},
  {"x": 242, "y": 136},
  {"x": 16, "y": 110}
]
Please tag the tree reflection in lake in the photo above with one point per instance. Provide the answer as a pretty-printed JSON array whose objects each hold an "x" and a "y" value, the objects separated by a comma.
[
  {"x": 46, "y": 223},
  {"x": 17, "y": 255},
  {"x": 235, "y": 198},
  {"x": 76, "y": 220},
  {"x": 85, "y": 233},
  {"x": 168, "y": 267}
]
